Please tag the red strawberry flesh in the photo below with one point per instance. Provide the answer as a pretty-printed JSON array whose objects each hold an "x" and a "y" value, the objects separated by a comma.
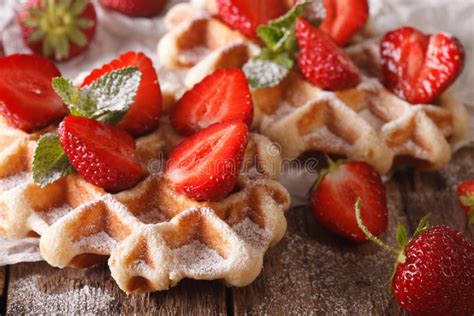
[
  {"x": 102, "y": 154},
  {"x": 321, "y": 61},
  {"x": 27, "y": 99},
  {"x": 246, "y": 15},
  {"x": 344, "y": 18},
  {"x": 221, "y": 96},
  {"x": 334, "y": 197},
  {"x": 206, "y": 165},
  {"x": 144, "y": 115},
  {"x": 418, "y": 67},
  {"x": 135, "y": 8}
]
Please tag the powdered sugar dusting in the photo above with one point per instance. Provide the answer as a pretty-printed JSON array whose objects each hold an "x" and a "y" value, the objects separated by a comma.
[
  {"x": 252, "y": 233},
  {"x": 86, "y": 299},
  {"x": 198, "y": 259},
  {"x": 52, "y": 215},
  {"x": 13, "y": 181},
  {"x": 101, "y": 242}
]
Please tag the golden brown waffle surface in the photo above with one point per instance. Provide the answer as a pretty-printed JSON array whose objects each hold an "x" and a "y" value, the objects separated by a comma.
[
  {"x": 153, "y": 236},
  {"x": 365, "y": 123}
]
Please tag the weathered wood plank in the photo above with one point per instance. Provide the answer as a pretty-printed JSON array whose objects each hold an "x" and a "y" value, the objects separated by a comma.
[
  {"x": 40, "y": 289},
  {"x": 314, "y": 272},
  {"x": 435, "y": 193}
]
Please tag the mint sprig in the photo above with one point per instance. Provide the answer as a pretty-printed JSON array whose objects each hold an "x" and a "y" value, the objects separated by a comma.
[
  {"x": 107, "y": 99},
  {"x": 50, "y": 162},
  {"x": 277, "y": 58}
]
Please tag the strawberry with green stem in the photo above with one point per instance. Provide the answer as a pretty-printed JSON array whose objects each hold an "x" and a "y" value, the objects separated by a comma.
[
  {"x": 434, "y": 270},
  {"x": 58, "y": 29},
  {"x": 465, "y": 193}
]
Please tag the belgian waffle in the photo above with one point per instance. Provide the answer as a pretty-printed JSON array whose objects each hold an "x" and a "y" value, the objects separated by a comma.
[
  {"x": 366, "y": 123},
  {"x": 153, "y": 236}
]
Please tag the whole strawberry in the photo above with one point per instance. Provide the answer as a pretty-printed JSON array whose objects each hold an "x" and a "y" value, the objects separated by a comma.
[
  {"x": 434, "y": 273},
  {"x": 58, "y": 29},
  {"x": 466, "y": 199},
  {"x": 335, "y": 193},
  {"x": 136, "y": 8}
]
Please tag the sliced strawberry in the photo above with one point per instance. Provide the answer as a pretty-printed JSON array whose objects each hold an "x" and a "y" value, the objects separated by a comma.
[
  {"x": 419, "y": 67},
  {"x": 466, "y": 199},
  {"x": 221, "y": 96},
  {"x": 59, "y": 30},
  {"x": 145, "y": 112},
  {"x": 136, "y": 8},
  {"x": 344, "y": 18},
  {"x": 321, "y": 61},
  {"x": 336, "y": 192},
  {"x": 101, "y": 153},
  {"x": 206, "y": 165},
  {"x": 246, "y": 15},
  {"x": 27, "y": 99}
]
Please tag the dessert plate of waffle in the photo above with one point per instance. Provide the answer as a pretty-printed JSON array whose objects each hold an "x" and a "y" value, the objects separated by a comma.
[{"x": 171, "y": 170}]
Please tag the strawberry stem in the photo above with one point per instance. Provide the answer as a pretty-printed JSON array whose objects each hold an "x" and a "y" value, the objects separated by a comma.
[{"x": 398, "y": 252}]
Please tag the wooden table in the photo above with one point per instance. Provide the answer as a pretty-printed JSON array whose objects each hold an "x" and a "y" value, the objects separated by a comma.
[{"x": 309, "y": 272}]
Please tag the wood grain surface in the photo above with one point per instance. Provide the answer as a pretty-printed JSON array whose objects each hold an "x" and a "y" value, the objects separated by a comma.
[{"x": 309, "y": 272}]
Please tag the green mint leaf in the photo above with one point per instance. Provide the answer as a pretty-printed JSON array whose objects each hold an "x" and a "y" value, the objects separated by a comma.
[
  {"x": 50, "y": 162},
  {"x": 114, "y": 94},
  {"x": 402, "y": 235},
  {"x": 262, "y": 73},
  {"x": 277, "y": 32},
  {"x": 77, "y": 102}
]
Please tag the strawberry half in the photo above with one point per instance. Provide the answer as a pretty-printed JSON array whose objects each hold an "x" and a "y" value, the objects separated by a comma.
[
  {"x": 344, "y": 18},
  {"x": 58, "y": 29},
  {"x": 27, "y": 99},
  {"x": 321, "y": 61},
  {"x": 336, "y": 192},
  {"x": 466, "y": 199},
  {"x": 246, "y": 15},
  {"x": 221, "y": 96},
  {"x": 101, "y": 153},
  {"x": 135, "y": 8},
  {"x": 205, "y": 166},
  {"x": 418, "y": 67},
  {"x": 144, "y": 114}
]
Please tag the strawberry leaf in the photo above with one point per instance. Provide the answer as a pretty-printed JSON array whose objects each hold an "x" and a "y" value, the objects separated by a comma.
[
  {"x": 423, "y": 226},
  {"x": 50, "y": 162},
  {"x": 402, "y": 235}
]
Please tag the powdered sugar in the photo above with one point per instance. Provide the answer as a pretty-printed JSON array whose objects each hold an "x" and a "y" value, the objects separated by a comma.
[
  {"x": 84, "y": 299},
  {"x": 52, "y": 215},
  {"x": 252, "y": 233},
  {"x": 13, "y": 181},
  {"x": 198, "y": 259},
  {"x": 100, "y": 242}
]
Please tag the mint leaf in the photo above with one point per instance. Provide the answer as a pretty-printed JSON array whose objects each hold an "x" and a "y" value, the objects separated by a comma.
[
  {"x": 272, "y": 65},
  {"x": 107, "y": 99},
  {"x": 280, "y": 33},
  {"x": 262, "y": 73},
  {"x": 50, "y": 162},
  {"x": 77, "y": 102},
  {"x": 114, "y": 94}
]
